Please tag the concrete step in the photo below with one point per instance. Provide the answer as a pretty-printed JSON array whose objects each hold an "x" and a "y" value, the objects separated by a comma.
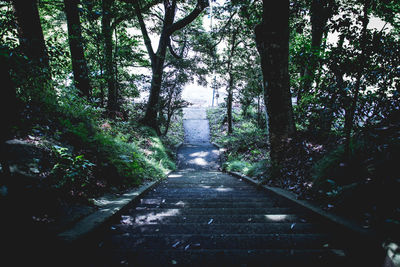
[
  {"x": 204, "y": 181},
  {"x": 217, "y": 204},
  {"x": 205, "y": 257},
  {"x": 196, "y": 186},
  {"x": 175, "y": 217},
  {"x": 222, "y": 241},
  {"x": 209, "y": 190},
  {"x": 201, "y": 200},
  {"x": 233, "y": 195},
  {"x": 212, "y": 211},
  {"x": 213, "y": 228}
]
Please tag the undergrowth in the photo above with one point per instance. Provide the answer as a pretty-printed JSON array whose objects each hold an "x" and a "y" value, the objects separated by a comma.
[
  {"x": 92, "y": 154},
  {"x": 245, "y": 148}
]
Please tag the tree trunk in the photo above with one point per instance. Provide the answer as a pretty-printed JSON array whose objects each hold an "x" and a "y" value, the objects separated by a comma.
[
  {"x": 7, "y": 108},
  {"x": 230, "y": 85},
  {"x": 32, "y": 40},
  {"x": 272, "y": 39},
  {"x": 150, "y": 117},
  {"x": 79, "y": 65},
  {"x": 112, "y": 102},
  {"x": 229, "y": 104},
  {"x": 321, "y": 11},
  {"x": 349, "y": 115}
]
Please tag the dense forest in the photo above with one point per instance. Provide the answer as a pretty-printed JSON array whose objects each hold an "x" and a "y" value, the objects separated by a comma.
[{"x": 91, "y": 99}]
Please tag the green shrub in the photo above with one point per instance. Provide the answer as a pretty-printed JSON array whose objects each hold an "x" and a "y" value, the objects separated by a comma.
[
  {"x": 125, "y": 153},
  {"x": 258, "y": 169},
  {"x": 237, "y": 166},
  {"x": 71, "y": 172},
  {"x": 332, "y": 171}
]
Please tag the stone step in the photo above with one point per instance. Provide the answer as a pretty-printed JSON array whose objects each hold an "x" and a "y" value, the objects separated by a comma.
[
  {"x": 222, "y": 241},
  {"x": 197, "y": 186},
  {"x": 175, "y": 217},
  {"x": 213, "y": 228},
  {"x": 233, "y": 195},
  {"x": 272, "y": 211},
  {"x": 200, "y": 200},
  {"x": 208, "y": 190},
  {"x": 148, "y": 203},
  {"x": 204, "y": 181},
  {"x": 203, "y": 257}
]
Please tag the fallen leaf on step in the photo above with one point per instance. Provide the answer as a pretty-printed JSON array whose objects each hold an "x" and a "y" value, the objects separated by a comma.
[{"x": 176, "y": 244}]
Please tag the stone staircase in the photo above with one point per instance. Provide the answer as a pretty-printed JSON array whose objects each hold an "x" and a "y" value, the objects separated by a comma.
[
  {"x": 202, "y": 217},
  {"x": 207, "y": 218}
]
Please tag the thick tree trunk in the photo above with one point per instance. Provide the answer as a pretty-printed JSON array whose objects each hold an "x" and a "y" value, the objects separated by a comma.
[
  {"x": 150, "y": 117},
  {"x": 32, "y": 40},
  {"x": 79, "y": 65},
  {"x": 272, "y": 39},
  {"x": 8, "y": 111},
  {"x": 112, "y": 102}
]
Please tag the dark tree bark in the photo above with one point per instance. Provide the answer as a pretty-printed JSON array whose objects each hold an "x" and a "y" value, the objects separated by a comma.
[
  {"x": 31, "y": 39},
  {"x": 79, "y": 65},
  {"x": 158, "y": 58},
  {"x": 229, "y": 104},
  {"x": 321, "y": 11},
  {"x": 231, "y": 82},
  {"x": 272, "y": 39},
  {"x": 7, "y": 108},
  {"x": 112, "y": 102}
]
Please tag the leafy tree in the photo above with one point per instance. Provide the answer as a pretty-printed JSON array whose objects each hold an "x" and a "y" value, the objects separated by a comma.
[
  {"x": 361, "y": 61},
  {"x": 157, "y": 58},
  {"x": 33, "y": 47},
  {"x": 109, "y": 74},
  {"x": 320, "y": 12},
  {"x": 79, "y": 65}
]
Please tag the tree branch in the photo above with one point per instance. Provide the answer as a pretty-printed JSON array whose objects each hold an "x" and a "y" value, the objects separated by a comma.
[
  {"x": 171, "y": 50},
  {"x": 145, "y": 34},
  {"x": 222, "y": 30},
  {"x": 128, "y": 16},
  {"x": 201, "y": 5}
]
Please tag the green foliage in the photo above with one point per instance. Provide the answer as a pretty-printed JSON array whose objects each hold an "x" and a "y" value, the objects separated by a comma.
[
  {"x": 245, "y": 147},
  {"x": 371, "y": 166},
  {"x": 71, "y": 172},
  {"x": 331, "y": 171},
  {"x": 258, "y": 169},
  {"x": 237, "y": 166}
]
